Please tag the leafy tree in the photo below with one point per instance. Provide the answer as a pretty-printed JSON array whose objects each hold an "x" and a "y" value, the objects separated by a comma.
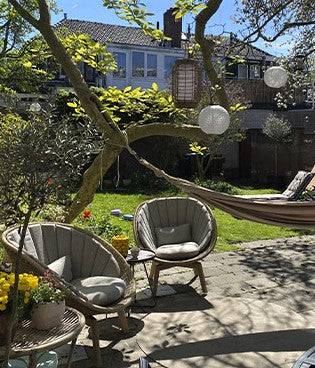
[
  {"x": 279, "y": 132},
  {"x": 117, "y": 137},
  {"x": 39, "y": 162}
]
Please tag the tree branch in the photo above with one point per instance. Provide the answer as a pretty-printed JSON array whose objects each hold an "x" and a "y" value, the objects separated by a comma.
[
  {"x": 207, "y": 49},
  {"x": 89, "y": 100},
  {"x": 24, "y": 13},
  {"x": 44, "y": 11},
  {"x": 136, "y": 132}
]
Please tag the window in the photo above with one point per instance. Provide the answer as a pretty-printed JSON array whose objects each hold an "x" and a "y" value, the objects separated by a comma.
[
  {"x": 242, "y": 71},
  {"x": 169, "y": 61},
  {"x": 138, "y": 64},
  {"x": 88, "y": 73},
  {"x": 151, "y": 65},
  {"x": 254, "y": 71},
  {"x": 120, "y": 72}
]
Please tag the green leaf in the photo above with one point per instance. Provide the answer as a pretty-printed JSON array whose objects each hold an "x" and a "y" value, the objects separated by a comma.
[
  {"x": 155, "y": 87},
  {"x": 27, "y": 64},
  {"x": 72, "y": 104}
]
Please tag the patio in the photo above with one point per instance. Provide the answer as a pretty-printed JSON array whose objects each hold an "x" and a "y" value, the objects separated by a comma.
[{"x": 259, "y": 312}]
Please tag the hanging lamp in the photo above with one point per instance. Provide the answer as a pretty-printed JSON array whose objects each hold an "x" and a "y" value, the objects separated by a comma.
[
  {"x": 186, "y": 83},
  {"x": 275, "y": 77},
  {"x": 214, "y": 119}
]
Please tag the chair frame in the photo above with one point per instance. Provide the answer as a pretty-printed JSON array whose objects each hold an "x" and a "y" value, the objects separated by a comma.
[
  {"x": 159, "y": 264},
  {"x": 34, "y": 265}
]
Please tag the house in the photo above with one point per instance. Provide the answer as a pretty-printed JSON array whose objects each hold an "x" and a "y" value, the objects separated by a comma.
[{"x": 142, "y": 61}]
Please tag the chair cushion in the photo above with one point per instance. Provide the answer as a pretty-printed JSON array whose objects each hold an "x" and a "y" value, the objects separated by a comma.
[
  {"x": 62, "y": 267},
  {"x": 297, "y": 185},
  {"x": 101, "y": 290},
  {"x": 179, "y": 251},
  {"x": 173, "y": 234}
]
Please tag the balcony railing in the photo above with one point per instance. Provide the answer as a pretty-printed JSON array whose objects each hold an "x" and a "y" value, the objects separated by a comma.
[{"x": 259, "y": 94}]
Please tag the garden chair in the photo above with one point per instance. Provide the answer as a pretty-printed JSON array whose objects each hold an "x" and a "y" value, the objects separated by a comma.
[
  {"x": 311, "y": 184},
  {"x": 180, "y": 231},
  {"x": 299, "y": 183},
  {"x": 98, "y": 277}
]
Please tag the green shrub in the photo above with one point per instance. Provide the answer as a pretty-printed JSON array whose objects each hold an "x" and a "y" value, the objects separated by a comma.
[
  {"x": 218, "y": 185},
  {"x": 147, "y": 182},
  {"x": 99, "y": 225}
]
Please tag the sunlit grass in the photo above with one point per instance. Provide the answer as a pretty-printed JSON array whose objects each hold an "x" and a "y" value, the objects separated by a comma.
[{"x": 231, "y": 231}]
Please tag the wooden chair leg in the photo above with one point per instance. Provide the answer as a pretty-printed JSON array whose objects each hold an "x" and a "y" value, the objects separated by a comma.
[
  {"x": 155, "y": 279},
  {"x": 152, "y": 270},
  {"x": 92, "y": 322},
  {"x": 123, "y": 321},
  {"x": 199, "y": 271}
]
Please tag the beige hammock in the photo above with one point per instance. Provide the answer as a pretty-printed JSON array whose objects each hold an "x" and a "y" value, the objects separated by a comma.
[{"x": 272, "y": 212}]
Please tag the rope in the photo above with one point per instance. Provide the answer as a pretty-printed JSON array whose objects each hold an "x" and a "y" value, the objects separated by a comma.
[
  {"x": 101, "y": 173},
  {"x": 118, "y": 171}
]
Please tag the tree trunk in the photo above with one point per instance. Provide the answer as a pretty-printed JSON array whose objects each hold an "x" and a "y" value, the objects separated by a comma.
[
  {"x": 207, "y": 49},
  {"x": 91, "y": 179}
]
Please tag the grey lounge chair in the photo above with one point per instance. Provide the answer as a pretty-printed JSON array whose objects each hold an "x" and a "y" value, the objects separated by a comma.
[
  {"x": 180, "y": 231},
  {"x": 98, "y": 277},
  {"x": 299, "y": 183}
]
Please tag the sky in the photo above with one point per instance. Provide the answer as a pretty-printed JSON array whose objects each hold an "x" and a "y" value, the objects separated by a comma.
[{"x": 93, "y": 10}]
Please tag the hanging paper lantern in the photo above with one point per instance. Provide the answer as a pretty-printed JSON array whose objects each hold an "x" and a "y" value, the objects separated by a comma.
[
  {"x": 214, "y": 119},
  {"x": 275, "y": 77},
  {"x": 186, "y": 83}
]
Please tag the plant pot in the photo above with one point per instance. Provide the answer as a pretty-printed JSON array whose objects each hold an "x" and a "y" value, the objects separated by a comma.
[
  {"x": 48, "y": 315},
  {"x": 121, "y": 243},
  {"x": 4, "y": 328},
  {"x": 134, "y": 252}
]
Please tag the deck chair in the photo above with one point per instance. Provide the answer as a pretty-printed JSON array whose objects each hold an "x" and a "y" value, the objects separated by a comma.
[
  {"x": 97, "y": 276},
  {"x": 180, "y": 231},
  {"x": 300, "y": 182},
  {"x": 311, "y": 184}
]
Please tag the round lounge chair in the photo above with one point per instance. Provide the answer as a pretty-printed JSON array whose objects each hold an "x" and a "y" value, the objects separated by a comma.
[
  {"x": 85, "y": 262},
  {"x": 181, "y": 231}
]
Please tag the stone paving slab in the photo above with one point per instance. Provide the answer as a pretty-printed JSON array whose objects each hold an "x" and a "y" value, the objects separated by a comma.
[{"x": 273, "y": 280}]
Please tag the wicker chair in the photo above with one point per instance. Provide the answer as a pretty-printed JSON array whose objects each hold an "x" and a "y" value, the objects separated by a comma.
[
  {"x": 90, "y": 256},
  {"x": 190, "y": 219}
]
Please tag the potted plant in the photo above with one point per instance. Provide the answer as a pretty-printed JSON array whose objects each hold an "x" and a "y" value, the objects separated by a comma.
[
  {"x": 134, "y": 251},
  {"x": 48, "y": 301},
  {"x": 27, "y": 283}
]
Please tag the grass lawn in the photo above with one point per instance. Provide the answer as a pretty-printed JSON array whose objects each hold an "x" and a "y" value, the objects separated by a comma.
[{"x": 230, "y": 229}]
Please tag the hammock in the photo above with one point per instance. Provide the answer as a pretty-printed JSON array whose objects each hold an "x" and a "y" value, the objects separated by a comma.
[{"x": 271, "y": 212}]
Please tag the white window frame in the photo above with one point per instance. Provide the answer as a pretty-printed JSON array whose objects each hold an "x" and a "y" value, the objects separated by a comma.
[
  {"x": 126, "y": 63},
  {"x": 242, "y": 66}
]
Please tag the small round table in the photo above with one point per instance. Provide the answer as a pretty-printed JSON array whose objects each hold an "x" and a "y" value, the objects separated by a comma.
[
  {"x": 31, "y": 341},
  {"x": 143, "y": 256}
]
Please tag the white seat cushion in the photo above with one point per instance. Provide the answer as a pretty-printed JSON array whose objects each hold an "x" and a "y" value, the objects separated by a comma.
[
  {"x": 178, "y": 251},
  {"x": 101, "y": 290}
]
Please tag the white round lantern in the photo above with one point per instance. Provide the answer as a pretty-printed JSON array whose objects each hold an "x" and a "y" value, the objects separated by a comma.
[
  {"x": 214, "y": 119},
  {"x": 275, "y": 77}
]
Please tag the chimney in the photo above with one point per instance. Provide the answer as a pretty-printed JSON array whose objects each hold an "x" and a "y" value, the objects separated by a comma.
[
  {"x": 157, "y": 25},
  {"x": 173, "y": 28},
  {"x": 65, "y": 15}
]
